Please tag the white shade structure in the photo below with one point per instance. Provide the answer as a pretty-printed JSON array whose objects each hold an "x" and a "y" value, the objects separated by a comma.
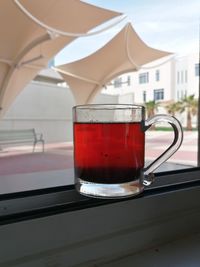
[
  {"x": 26, "y": 45},
  {"x": 126, "y": 52}
]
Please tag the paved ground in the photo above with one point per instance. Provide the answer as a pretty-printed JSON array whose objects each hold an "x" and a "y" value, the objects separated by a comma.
[
  {"x": 157, "y": 142},
  {"x": 22, "y": 170},
  {"x": 16, "y": 160}
]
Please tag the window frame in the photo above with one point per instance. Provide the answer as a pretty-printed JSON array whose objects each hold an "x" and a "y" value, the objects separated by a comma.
[{"x": 36, "y": 203}]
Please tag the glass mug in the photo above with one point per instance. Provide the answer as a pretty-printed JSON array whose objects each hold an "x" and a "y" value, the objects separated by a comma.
[{"x": 109, "y": 144}]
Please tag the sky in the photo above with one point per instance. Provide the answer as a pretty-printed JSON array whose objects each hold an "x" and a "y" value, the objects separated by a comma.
[{"x": 171, "y": 25}]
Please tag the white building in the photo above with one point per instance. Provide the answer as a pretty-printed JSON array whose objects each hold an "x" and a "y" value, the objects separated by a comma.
[
  {"x": 176, "y": 78},
  {"x": 47, "y": 106},
  {"x": 187, "y": 76},
  {"x": 154, "y": 83}
]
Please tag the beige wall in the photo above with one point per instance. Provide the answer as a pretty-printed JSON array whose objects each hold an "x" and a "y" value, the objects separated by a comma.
[
  {"x": 48, "y": 109},
  {"x": 45, "y": 107}
]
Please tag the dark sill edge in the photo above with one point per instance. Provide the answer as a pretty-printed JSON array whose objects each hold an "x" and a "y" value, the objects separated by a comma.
[{"x": 50, "y": 201}]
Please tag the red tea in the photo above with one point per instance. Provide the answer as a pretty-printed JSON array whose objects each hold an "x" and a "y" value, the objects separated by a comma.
[{"x": 108, "y": 152}]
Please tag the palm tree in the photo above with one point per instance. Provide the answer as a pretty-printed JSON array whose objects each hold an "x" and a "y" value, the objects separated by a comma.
[
  {"x": 190, "y": 105},
  {"x": 173, "y": 107},
  {"x": 151, "y": 108}
]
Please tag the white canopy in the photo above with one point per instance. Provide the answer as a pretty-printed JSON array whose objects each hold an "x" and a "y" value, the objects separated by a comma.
[
  {"x": 26, "y": 47},
  {"x": 126, "y": 52}
]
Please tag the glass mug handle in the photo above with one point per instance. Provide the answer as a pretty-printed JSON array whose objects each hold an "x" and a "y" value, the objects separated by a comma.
[{"x": 178, "y": 138}]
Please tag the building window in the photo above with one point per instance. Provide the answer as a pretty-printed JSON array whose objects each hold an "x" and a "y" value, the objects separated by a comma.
[
  {"x": 178, "y": 95},
  {"x": 118, "y": 82},
  {"x": 144, "y": 96},
  {"x": 157, "y": 74},
  {"x": 144, "y": 77},
  {"x": 197, "y": 69},
  {"x": 158, "y": 94},
  {"x": 182, "y": 80},
  {"x": 178, "y": 77},
  {"x": 182, "y": 76},
  {"x": 186, "y": 76},
  {"x": 129, "y": 80}
]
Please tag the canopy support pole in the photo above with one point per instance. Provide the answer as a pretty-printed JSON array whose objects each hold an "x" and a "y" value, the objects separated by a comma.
[{"x": 16, "y": 63}]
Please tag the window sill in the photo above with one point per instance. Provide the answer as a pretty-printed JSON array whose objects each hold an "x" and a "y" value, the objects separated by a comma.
[{"x": 65, "y": 228}]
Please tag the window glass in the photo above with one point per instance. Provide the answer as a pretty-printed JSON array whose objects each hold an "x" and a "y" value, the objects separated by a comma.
[
  {"x": 144, "y": 77},
  {"x": 182, "y": 76},
  {"x": 144, "y": 96},
  {"x": 158, "y": 94},
  {"x": 128, "y": 80},
  {"x": 168, "y": 86},
  {"x": 157, "y": 75},
  {"x": 197, "y": 69},
  {"x": 186, "y": 76},
  {"x": 118, "y": 82},
  {"x": 178, "y": 77}
]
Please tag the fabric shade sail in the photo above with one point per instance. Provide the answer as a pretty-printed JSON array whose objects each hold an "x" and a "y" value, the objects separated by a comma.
[
  {"x": 26, "y": 47},
  {"x": 126, "y": 52}
]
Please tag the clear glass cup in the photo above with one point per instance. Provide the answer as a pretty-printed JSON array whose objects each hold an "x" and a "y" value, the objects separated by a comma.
[{"x": 109, "y": 149}]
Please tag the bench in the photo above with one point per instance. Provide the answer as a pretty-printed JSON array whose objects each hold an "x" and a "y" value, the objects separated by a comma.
[{"x": 21, "y": 136}]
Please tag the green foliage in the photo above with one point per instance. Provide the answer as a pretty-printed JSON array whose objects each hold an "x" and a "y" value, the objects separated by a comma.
[
  {"x": 173, "y": 108},
  {"x": 151, "y": 108},
  {"x": 188, "y": 104}
]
